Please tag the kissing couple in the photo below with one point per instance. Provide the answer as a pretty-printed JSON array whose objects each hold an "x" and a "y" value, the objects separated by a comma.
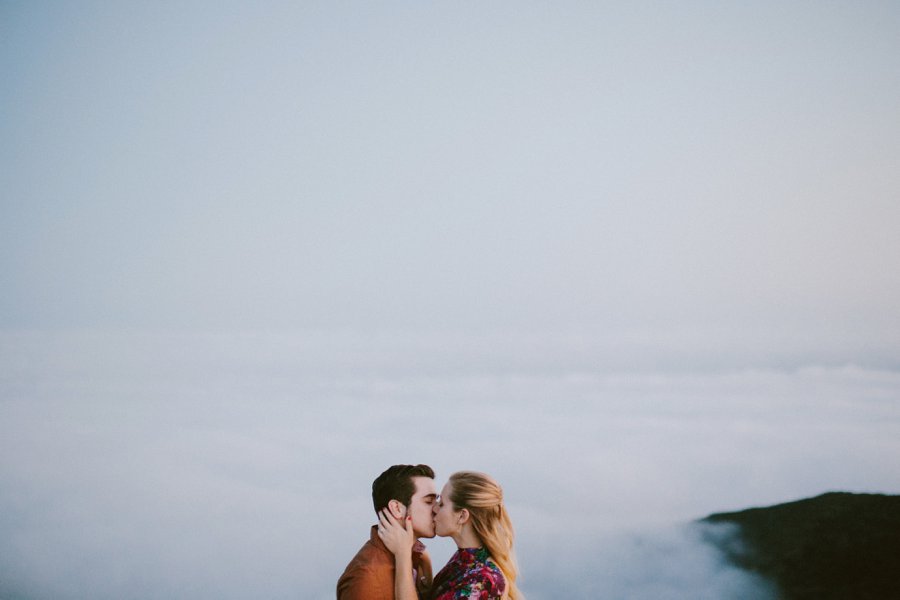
[{"x": 394, "y": 564}]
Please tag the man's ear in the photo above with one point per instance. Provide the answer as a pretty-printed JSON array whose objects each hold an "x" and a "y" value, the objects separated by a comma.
[{"x": 396, "y": 509}]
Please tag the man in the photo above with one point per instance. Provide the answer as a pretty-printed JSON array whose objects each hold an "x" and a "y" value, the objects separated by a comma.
[{"x": 401, "y": 490}]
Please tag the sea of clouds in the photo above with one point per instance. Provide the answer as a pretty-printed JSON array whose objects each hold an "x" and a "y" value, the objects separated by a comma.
[{"x": 172, "y": 465}]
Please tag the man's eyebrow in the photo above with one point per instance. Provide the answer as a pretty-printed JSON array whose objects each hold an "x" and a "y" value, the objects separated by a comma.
[{"x": 432, "y": 496}]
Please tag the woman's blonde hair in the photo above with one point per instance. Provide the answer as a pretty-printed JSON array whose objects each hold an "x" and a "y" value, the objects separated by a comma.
[{"x": 483, "y": 498}]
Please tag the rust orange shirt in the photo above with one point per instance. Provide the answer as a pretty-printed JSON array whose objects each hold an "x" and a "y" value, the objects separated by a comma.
[{"x": 370, "y": 575}]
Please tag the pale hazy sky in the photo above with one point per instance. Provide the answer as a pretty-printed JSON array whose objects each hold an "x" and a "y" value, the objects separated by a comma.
[{"x": 719, "y": 171}]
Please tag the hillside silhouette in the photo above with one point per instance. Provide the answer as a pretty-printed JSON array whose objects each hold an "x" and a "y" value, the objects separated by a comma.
[{"x": 835, "y": 546}]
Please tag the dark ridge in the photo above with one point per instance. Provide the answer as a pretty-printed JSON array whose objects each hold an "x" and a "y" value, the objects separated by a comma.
[{"x": 834, "y": 546}]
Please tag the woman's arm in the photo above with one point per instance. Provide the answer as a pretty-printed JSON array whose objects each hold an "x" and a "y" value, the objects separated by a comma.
[{"x": 399, "y": 540}]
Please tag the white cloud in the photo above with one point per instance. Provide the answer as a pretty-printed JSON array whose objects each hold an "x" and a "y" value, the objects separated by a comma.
[{"x": 137, "y": 465}]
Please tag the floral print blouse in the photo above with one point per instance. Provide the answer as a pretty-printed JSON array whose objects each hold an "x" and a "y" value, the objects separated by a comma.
[{"x": 470, "y": 574}]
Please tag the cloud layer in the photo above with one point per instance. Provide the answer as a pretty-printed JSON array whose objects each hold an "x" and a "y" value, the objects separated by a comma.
[{"x": 151, "y": 465}]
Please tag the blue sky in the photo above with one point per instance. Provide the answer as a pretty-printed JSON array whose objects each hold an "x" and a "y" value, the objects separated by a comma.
[{"x": 707, "y": 175}]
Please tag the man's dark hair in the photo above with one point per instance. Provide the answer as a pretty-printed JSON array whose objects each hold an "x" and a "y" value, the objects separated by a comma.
[{"x": 396, "y": 483}]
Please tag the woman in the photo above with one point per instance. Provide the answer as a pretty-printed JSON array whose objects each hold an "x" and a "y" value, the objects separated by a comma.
[{"x": 470, "y": 510}]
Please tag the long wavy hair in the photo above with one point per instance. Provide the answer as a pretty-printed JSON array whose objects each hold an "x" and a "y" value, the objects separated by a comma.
[{"x": 483, "y": 498}]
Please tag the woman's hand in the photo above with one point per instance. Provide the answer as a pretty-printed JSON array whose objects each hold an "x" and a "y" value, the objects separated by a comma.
[{"x": 398, "y": 538}]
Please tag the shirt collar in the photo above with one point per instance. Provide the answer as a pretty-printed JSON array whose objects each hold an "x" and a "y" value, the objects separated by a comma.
[{"x": 418, "y": 547}]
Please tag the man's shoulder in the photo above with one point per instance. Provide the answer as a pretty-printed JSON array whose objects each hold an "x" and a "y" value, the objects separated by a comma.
[
  {"x": 368, "y": 575},
  {"x": 361, "y": 573},
  {"x": 371, "y": 554}
]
